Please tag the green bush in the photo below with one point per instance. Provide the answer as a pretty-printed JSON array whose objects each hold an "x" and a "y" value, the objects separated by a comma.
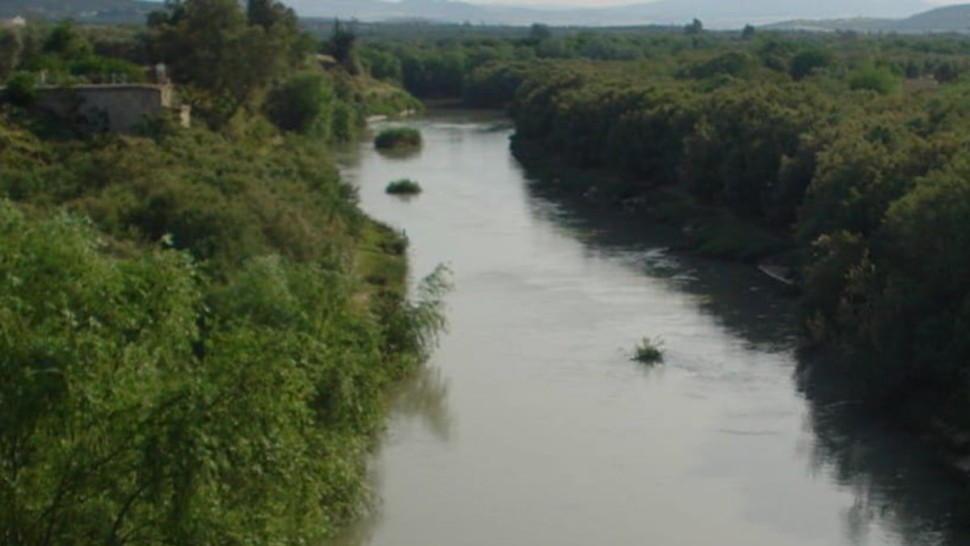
[
  {"x": 192, "y": 349},
  {"x": 302, "y": 104},
  {"x": 96, "y": 67},
  {"x": 874, "y": 78},
  {"x": 21, "y": 89},
  {"x": 649, "y": 351},
  {"x": 404, "y": 186},
  {"x": 398, "y": 138},
  {"x": 236, "y": 372},
  {"x": 806, "y": 62}
]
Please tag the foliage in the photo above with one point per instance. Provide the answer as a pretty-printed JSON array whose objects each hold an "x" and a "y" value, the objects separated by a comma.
[
  {"x": 135, "y": 412},
  {"x": 367, "y": 95},
  {"x": 342, "y": 47},
  {"x": 64, "y": 54},
  {"x": 302, "y": 104},
  {"x": 21, "y": 89},
  {"x": 381, "y": 64},
  {"x": 872, "y": 78},
  {"x": 66, "y": 42},
  {"x": 11, "y": 46},
  {"x": 398, "y": 138},
  {"x": 95, "y": 361},
  {"x": 695, "y": 27},
  {"x": 404, "y": 186},
  {"x": 214, "y": 47},
  {"x": 495, "y": 84},
  {"x": 806, "y": 62},
  {"x": 198, "y": 326},
  {"x": 104, "y": 70},
  {"x": 649, "y": 351}
]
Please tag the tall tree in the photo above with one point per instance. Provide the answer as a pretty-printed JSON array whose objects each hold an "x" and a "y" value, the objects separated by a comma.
[
  {"x": 694, "y": 28},
  {"x": 268, "y": 13},
  {"x": 211, "y": 46},
  {"x": 11, "y": 46},
  {"x": 65, "y": 41},
  {"x": 341, "y": 47}
]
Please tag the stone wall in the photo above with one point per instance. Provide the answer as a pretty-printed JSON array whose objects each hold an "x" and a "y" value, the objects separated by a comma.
[{"x": 109, "y": 108}]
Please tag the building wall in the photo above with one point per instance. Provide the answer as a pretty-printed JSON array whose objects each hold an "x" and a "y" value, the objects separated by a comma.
[{"x": 108, "y": 108}]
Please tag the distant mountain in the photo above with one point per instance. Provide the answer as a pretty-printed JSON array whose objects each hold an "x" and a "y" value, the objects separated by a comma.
[
  {"x": 946, "y": 19},
  {"x": 714, "y": 13},
  {"x": 857, "y": 24},
  {"x": 735, "y": 14},
  {"x": 816, "y": 15},
  {"x": 87, "y": 11}
]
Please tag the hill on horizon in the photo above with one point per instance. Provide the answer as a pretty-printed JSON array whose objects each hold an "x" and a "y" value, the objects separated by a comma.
[
  {"x": 955, "y": 18},
  {"x": 84, "y": 11},
  {"x": 714, "y": 13},
  {"x": 908, "y": 16}
]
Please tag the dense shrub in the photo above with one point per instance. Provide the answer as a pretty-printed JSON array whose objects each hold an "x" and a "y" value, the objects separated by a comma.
[
  {"x": 398, "y": 138},
  {"x": 207, "y": 355},
  {"x": 199, "y": 327},
  {"x": 302, "y": 104},
  {"x": 872, "y": 78},
  {"x": 21, "y": 89},
  {"x": 404, "y": 186},
  {"x": 649, "y": 351}
]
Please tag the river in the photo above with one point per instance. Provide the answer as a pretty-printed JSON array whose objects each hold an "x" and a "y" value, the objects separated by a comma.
[{"x": 531, "y": 425}]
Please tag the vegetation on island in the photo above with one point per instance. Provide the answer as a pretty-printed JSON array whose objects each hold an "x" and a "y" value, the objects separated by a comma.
[
  {"x": 404, "y": 186},
  {"x": 198, "y": 325},
  {"x": 398, "y": 138},
  {"x": 649, "y": 351}
]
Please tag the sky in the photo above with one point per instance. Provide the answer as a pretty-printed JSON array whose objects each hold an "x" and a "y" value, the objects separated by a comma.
[
  {"x": 594, "y": 3},
  {"x": 572, "y": 3}
]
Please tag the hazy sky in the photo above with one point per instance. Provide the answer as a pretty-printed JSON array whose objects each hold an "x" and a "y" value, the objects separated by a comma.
[
  {"x": 558, "y": 2},
  {"x": 591, "y": 3}
]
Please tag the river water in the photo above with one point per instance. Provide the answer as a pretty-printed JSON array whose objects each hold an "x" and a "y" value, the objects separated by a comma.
[{"x": 531, "y": 425}]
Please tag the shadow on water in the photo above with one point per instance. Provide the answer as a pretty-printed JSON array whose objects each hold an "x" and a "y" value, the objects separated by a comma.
[
  {"x": 424, "y": 396},
  {"x": 743, "y": 301},
  {"x": 400, "y": 154},
  {"x": 894, "y": 474},
  {"x": 895, "y": 477},
  {"x": 421, "y": 397}
]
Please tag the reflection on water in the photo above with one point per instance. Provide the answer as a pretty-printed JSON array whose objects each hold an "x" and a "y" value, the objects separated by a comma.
[
  {"x": 424, "y": 396},
  {"x": 531, "y": 426},
  {"x": 421, "y": 397},
  {"x": 891, "y": 473},
  {"x": 400, "y": 154},
  {"x": 744, "y": 302}
]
